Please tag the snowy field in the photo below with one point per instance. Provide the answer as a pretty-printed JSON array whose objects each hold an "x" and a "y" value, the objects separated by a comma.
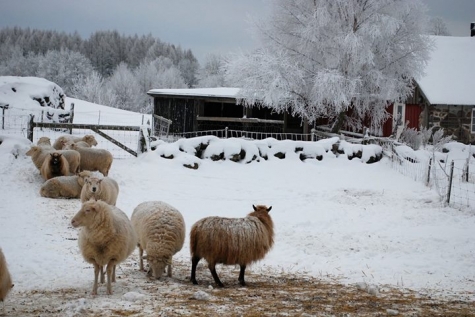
[{"x": 335, "y": 219}]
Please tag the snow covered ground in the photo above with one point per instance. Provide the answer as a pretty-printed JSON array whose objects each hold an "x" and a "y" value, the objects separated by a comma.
[{"x": 334, "y": 218}]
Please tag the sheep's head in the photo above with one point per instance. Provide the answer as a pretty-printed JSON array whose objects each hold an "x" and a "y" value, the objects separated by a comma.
[
  {"x": 261, "y": 208},
  {"x": 56, "y": 158},
  {"x": 88, "y": 214},
  {"x": 44, "y": 140},
  {"x": 157, "y": 263},
  {"x": 82, "y": 176},
  {"x": 94, "y": 184},
  {"x": 33, "y": 150},
  {"x": 66, "y": 145},
  {"x": 90, "y": 139}
]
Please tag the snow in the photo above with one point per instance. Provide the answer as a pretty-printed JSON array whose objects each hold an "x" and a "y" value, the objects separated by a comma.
[
  {"x": 19, "y": 93},
  {"x": 448, "y": 78},
  {"x": 223, "y": 92},
  {"x": 334, "y": 218}
]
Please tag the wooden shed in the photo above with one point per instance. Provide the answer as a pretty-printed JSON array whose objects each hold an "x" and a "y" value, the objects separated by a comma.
[{"x": 205, "y": 109}]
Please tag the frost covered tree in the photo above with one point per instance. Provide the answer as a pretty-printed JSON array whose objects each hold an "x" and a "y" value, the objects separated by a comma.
[
  {"x": 63, "y": 68},
  {"x": 437, "y": 26},
  {"x": 124, "y": 87},
  {"x": 330, "y": 58},
  {"x": 89, "y": 87},
  {"x": 212, "y": 73}
]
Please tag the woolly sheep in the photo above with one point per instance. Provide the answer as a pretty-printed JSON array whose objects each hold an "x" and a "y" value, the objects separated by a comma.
[
  {"x": 160, "y": 230},
  {"x": 231, "y": 241},
  {"x": 94, "y": 159},
  {"x": 106, "y": 239},
  {"x": 5, "y": 279},
  {"x": 38, "y": 155},
  {"x": 105, "y": 189},
  {"x": 64, "y": 186},
  {"x": 54, "y": 165},
  {"x": 64, "y": 139}
]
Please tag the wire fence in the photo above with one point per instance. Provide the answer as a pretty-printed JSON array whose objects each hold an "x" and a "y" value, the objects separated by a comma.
[
  {"x": 252, "y": 135},
  {"x": 454, "y": 180}
]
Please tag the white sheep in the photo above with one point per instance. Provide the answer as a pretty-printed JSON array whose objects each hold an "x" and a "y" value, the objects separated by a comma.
[
  {"x": 105, "y": 189},
  {"x": 160, "y": 230},
  {"x": 64, "y": 186},
  {"x": 94, "y": 159},
  {"x": 5, "y": 279},
  {"x": 39, "y": 154},
  {"x": 106, "y": 239},
  {"x": 64, "y": 139}
]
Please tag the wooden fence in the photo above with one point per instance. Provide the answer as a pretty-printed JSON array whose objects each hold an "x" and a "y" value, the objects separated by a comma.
[{"x": 69, "y": 127}]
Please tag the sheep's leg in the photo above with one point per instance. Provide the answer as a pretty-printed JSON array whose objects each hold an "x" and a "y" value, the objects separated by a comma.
[
  {"x": 169, "y": 270},
  {"x": 141, "y": 257},
  {"x": 102, "y": 275},
  {"x": 212, "y": 268},
  {"x": 110, "y": 272},
  {"x": 113, "y": 274},
  {"x": 194, "y": 263},
  {"x": 96, "y": 277},
  {"x": 241, "y": 274}
]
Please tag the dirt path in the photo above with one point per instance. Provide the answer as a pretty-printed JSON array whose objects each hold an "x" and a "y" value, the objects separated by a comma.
[{"x": 265, "y": 295}]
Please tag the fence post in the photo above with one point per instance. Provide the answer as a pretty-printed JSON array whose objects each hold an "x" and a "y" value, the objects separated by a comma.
[
  {"x": 71, "y": 117},
  {"x": 42, "y": 113},
  {"x": 428, "y": 172},
  {"x": 226, "y": 132},
  {"x": 30, "y": 128},
  {"x": 4, "y": 107},
  {"x": 314, "y": 135},
  {"x": 449, "y": 190}
]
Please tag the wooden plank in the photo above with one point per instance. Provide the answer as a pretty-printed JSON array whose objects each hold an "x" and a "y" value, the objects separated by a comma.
[
  {"x": 105, "y": 136},
  {"x": 244, "y": 120}
]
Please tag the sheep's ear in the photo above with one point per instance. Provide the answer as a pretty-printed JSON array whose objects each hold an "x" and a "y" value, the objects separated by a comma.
[
  {"x": 12, "y": 285},
  {"x": 268, "y": 209},
  {"x": 254, "y": 207}
]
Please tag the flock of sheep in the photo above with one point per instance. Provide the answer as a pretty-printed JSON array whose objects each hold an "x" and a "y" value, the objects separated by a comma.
[{"x": 108, "y": 237}]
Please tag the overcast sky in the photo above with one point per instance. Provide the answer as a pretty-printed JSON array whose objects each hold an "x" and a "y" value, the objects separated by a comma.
[{"x": 204, "y": 26}]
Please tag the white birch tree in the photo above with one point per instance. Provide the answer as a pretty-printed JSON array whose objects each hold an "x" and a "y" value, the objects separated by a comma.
[{"x": 321, "y": 58}]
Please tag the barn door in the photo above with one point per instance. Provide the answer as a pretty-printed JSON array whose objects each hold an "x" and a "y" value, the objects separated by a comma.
[{"x": 399, "y": 117}]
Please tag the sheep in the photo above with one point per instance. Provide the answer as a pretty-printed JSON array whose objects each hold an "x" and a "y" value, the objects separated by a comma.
[
  {"x": 54, "y": 165},
  {"x": 231, "y": 241},
  {"x": 44, "y": 142},
  {"x": 5, "y": 279},
  {"x": 64, "y": 139},
  {"x": 105, "y": 189},
  {"x": 106, "y": 239},
  {"x": 64, "y": 186},
  {"x": 94, "y": 159},
  {"x": 39, "y": 154},
  {"x": 161, "y": 233}
]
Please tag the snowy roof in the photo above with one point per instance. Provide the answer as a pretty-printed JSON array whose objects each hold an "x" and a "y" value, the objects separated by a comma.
[
  {"x": 221, "y": 92},
  {"x": 449, "y": 73}
]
